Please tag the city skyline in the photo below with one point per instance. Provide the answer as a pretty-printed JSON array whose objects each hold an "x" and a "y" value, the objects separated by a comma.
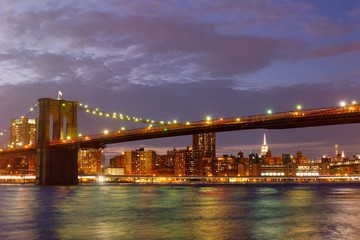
[
  {"x": 247, "y": 150},
  {"x": 186, "y": 60}
]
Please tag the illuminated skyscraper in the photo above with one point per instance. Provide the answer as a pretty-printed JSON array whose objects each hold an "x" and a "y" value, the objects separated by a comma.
[
  {"x": 22, "y": 131},
  {"x": 264, "y": 147},
  {"x": 204, "y": 144},
  {"x": 203, "y": 147}
]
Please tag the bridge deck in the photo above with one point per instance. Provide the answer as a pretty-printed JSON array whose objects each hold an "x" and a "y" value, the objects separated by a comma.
[{"x": 293, "y": 119}]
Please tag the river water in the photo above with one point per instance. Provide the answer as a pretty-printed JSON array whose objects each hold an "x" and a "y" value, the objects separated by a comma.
[{"x": 249, "y": 211}]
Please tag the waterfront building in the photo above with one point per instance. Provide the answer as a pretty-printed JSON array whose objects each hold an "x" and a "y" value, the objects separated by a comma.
[
  {"x": 161, "y": 161},
  {"x": 23, "y": 131},
  {"x": 226, "y": 166},
  {"x": 117, "y": 161},
  {"x": 147, "y": 162},
  {"x": 18, "y": 165},
  {"x": 286, "y": 165},
  {"x": 326, "y": 159},
  {"x": 14, "y": 166},
  {"x": 312, "y": 169},
  {"x": 31, "y": 162},
  {"x": 140, "y": 162},
  {"x": 165, "y": 165},
  {"x": 279, "y": 170},
  {"x": 184, "y": 162},
  {"x": 268, "y": 159},
  {"x": 345, "y": 167},
  {"x": 131, "y": 162},
  {"x": 254, "y": 158},
  {"x": 291, "y": 169},
  {"x": 255, "y": 169},
  {"x": 243, "y": 165},
  {"x": 299, "y": 159},
  {"x": 114, "y": 171},
  {"x": 170, "y": 158},
  {"x": 90, "y": 161},
  {"x": 243, "y": 169},
  {"x": 308, "y": 170},
  {"x": 207, "y": 167},
  {"x": 286, "y": 158}
]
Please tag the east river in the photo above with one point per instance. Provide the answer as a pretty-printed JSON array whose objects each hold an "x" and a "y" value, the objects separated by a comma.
[{"x": 249, "y": 211}]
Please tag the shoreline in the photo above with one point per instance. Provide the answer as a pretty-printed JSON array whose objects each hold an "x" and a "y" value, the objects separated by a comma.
[{"x": 190, "y": 183}]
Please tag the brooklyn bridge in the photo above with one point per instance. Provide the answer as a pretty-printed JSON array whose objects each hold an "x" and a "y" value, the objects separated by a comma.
[{"x": 58, "y": 140}]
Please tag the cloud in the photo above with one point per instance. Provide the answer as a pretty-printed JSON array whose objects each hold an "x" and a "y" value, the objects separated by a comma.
[
  {"x": 335, "y": 49},
  {"x": 70, "y": 43},
  {"x": 155, "y": 43},
  {"x": 324, "y": 27},
  {"x": 355, "y": 13}
]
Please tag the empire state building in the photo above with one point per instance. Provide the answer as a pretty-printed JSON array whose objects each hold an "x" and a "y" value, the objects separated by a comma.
[{"x": 264, "y": 147}]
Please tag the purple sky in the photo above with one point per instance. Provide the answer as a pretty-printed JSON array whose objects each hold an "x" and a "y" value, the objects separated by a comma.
[{"x": 184, "y": 60}]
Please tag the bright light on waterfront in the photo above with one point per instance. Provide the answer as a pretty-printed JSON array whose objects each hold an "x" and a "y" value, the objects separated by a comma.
[{"x": 101, "y": 179}]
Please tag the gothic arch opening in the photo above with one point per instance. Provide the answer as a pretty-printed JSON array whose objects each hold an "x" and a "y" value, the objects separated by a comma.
[
  {"x": 51, "y": 127},
  {"x": 64, "y": 122}
]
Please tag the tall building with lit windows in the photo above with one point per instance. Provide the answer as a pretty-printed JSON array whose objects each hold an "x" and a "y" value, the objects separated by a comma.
[
  {"x": 90, "y": 161},
  {"x": 204, "y": 147},
  {"x": 264, "y": 147},
  {"x": 184, "y": 162},
  {"x": 140, "y": 162},
  {"x": 22, "y": 131}
]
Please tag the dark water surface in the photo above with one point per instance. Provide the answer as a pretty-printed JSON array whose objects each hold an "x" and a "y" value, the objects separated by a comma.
[{"x": 251, "y": 211}]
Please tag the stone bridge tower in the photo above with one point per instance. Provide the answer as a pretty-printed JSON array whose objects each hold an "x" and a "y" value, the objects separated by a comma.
[{"x": 56, "y": 165}]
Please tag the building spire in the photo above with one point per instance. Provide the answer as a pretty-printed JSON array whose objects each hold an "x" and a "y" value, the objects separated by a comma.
[
  {"x": 264, "y": 147},
  {"x": 264, "y": 139}
]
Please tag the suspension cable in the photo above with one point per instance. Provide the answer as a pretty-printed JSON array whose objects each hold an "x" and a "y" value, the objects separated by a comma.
[
  {"x": 96, "y": 111},
  {"x": 23, "y": 116}
]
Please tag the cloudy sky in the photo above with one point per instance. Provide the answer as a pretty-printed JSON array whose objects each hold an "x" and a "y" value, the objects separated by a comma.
[{"x": 184, "y": 60}]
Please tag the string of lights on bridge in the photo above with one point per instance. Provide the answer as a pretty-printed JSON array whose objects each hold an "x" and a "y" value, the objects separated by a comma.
[
  {"x": 23, "y": 116},
  {"x": 95, "y": 111},
  {"x": 346, "y": 108}
]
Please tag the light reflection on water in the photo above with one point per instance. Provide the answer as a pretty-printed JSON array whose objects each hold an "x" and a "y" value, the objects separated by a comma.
[{"x": 252, "y": 211}]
